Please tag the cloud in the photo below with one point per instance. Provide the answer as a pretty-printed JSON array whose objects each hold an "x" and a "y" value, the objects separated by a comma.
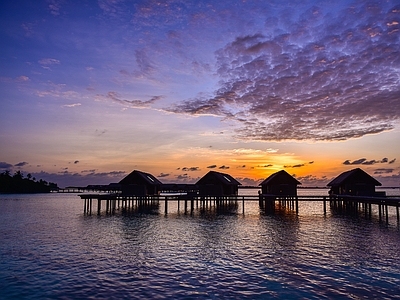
[
  {"x": 163, "y": 175},
  {"x": 19, "y": 79},
  {"x": 212, "y": 167},
  {"x": 264, "y": 166},
  {"x": 364, "y": 161},
  {"x": 4, "y": 165},
  {"x": 22, "y": 78},
  {"x": 77, "y": 161},
  {"x": 99, "y": 132},
  {"x": 49, "y": 61},
  {"x": 383, "y": 171},
  {"x": 54, "y": 7},
  {"x": 245, "y": 181},
  {"x": 312, "y": 180},
  {"x": 89, "y": 171},
  {"x": 331, "y": 80},
  {"x": 21, "y": 164},
  {"x": 191, "y": 169},
  {"x": 72, "y": 105},
  {"x": 111, "y": 7},
  {"x": 223, "y": 167},
  {"x": 117, "y": 98},
  {"x": 299, "y": 165}
]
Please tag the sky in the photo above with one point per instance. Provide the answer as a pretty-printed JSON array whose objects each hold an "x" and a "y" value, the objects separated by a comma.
[{"x": 92, "y": 90}]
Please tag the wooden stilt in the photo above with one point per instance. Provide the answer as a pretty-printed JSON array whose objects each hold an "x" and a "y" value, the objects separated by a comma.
[{"x": 387, "y": 215}]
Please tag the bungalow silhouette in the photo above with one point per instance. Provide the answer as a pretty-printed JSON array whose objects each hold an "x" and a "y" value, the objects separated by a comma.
[
  {"x": 355, "y": 182},
  {"x": 280, "y": 183},
  {"x": 217, "y": 184},
  {"x": 140, "y": 184}
]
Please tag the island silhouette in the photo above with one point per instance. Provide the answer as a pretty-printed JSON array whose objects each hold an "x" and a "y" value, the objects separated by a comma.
[{"x": 17, "y": 184}]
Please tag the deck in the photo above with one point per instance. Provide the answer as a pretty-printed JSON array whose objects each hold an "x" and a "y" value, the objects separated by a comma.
[{"x": 267, "y": 203}]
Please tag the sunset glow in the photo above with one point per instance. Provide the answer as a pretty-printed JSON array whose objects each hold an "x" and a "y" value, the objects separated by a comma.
[{"x": 93, "y": 90}]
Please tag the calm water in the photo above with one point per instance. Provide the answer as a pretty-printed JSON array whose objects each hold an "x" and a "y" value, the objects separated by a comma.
[{"x": 49, "y": 249}]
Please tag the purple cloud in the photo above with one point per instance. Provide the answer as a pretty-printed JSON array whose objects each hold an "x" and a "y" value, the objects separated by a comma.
[
  {"x": 162, "y": 175},
  {"x": 191, "y": 169},
  {"x": 364, "y": 161},
  {"x": 4, "y": 165},
  {"x": 21, "y": 164},
  {"x": 330, "y": 80},
  {"x": 383, "y": 171}
]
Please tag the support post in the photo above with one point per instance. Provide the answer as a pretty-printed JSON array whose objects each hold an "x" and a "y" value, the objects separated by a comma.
[
  {"x": 380, "y": 212},
  {"x": 387, "y": 215},
  {"x": 324, "y": 205}
]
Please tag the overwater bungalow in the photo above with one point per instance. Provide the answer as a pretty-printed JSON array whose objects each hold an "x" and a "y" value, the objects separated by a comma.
[
  {"x": 355, "y": 182},
  {"x": 218, "y": 184},
  {"x": 140, "y": 184},
  {"x": 280, "y": 183}
]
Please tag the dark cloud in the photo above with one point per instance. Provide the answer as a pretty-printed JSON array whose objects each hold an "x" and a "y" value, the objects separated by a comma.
[
  {"x": 116, "y": 97},
  {"x": 4, "y": 165},
  {"x": 77, "y": 161},
  {"x": 223, "y": 167},
  {"x": 330, "y": 80},
  {"x": 212, "y": 167},
  {"x": 364, "y": 161},
  {"x": 298, "y": 165},
  {"x": 21, "y": 164},
  {"x": 191, "y": 169},
  {"x": 88, "y": 171},
  {"x": 383, "y": 171},
  {"x": 265, "y": 166},
  {"x": 163, "y": 175}
]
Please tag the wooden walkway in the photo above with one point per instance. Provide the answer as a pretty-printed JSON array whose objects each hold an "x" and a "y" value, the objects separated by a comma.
[{"x": 341, "y": 204}]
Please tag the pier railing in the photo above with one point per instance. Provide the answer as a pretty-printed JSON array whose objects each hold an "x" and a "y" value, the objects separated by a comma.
[{"x": 267, "y": 203}]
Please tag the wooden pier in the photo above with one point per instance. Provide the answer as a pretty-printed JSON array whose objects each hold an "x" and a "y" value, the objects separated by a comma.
[{"x": 267, "y": 203}]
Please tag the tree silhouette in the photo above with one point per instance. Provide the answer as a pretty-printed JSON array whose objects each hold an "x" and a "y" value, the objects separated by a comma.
[{"x": 18, "y": 184}]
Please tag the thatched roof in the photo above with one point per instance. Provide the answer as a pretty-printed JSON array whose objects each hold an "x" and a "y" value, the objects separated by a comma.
[
  {"x": 281, "y": 177},
  {"x": 354, "y": 176},
  {"x": 138, "y": 177},
  {"x": 223, "y": 178}
]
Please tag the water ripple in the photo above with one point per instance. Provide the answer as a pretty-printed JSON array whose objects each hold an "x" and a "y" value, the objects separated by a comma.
[{"x": 50, "y": 250}]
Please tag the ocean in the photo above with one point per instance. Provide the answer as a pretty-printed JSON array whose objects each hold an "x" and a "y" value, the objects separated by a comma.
[{"x": 50, "y": 250}]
